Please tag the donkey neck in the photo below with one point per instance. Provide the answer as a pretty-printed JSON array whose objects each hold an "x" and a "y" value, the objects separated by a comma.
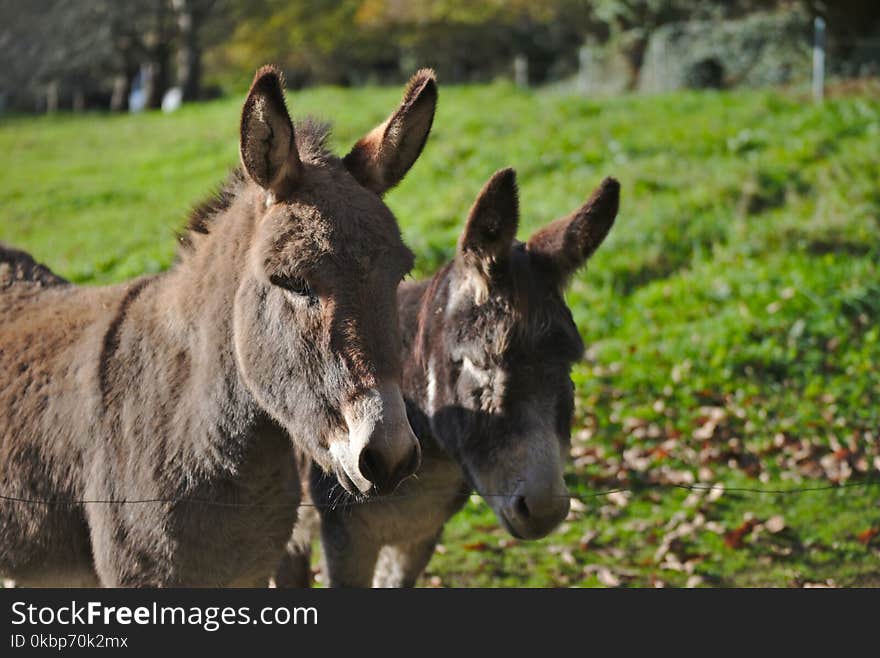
[
  {"x": 211, "y": 266},
  {"x": 185, "y": 318}
]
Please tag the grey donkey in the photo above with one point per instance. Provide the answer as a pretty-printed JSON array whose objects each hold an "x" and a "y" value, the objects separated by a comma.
[
  {"x": 184, "y": 393},
  {"x": 488, "y": 347}
]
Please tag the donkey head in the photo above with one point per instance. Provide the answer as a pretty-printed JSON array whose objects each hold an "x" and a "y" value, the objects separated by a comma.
[
  {"x": 316, "y": 329},
  {"x": 499, "y": 392}
]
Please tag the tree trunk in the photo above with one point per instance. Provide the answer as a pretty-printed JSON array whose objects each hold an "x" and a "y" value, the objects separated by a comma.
[
  {"x": 52, "y": 97},
  {"x": 157, "y": 69},
  {"x": 156, "y": 80},
  {"x": 189, "y": 53},
  {"x": 127, "y": 66},
  {"x": 121, "y": 92}
]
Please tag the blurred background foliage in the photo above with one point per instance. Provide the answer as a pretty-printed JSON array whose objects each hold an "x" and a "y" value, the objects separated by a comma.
[{"x": 82, "y": 55}]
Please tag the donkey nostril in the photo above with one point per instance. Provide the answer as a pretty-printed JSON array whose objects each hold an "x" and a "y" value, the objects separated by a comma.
[
  {"x": 413, "y": 463},
  {"x": 522, "y": 508},
  {"x": 371, "y": 465},
  {"x": 407, "y": 468}
]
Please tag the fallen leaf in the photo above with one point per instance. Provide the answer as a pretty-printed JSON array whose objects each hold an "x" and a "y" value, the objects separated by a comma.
[
  {"x": 775, "y": 524},
  {"x": 612, "y": 552},
  {"x": 607, "y": 578},
  {"x": 476, "y": 546},
  {"x": 734, "y": 538},
  {"x": 694, "y": 581},
  {"x": 672, "y": 563},
  {"x": 619, "y": 498},
  {"x": 715, "y": 492},
  {"x": 869, "y": 534},
  {"x": 693, "y": 499},
  {"x": 587, "y": 539}
]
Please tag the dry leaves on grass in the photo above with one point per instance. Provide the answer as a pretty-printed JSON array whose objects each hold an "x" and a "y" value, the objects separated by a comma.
[
  {"x": 725, "y": 434},
  {"x": 868, "y": 535},
  {"x": 477, "y": 546},
  {"x": 752, "y": 527},
  {"x": 606, "y": 576}
]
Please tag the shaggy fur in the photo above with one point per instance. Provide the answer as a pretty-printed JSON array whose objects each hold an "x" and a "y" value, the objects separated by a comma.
[
  {"x": 488, "y": 346},
  {"x": 181, "y": 392}
]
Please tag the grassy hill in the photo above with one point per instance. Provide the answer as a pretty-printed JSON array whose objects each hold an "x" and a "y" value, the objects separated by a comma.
[{"x": 732, "y": 317}]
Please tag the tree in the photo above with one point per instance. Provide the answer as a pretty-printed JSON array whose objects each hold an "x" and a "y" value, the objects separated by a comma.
[{"x": 191, "y": 16}]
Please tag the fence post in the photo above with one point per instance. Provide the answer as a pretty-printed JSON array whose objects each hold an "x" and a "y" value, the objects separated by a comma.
[
  {"x": 521, "y": 71},
  {"x": 819, "y": 59},
  {"x": 52, "y": 95},
  {"x": 585, "y": 68}
]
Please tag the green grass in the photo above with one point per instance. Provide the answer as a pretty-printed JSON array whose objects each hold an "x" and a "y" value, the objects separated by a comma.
[{"x": 732, "y": 317}]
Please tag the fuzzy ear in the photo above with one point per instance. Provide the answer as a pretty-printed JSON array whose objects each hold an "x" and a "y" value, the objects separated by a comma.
[
  {"x": 268, "y": 148},
  {"x": 566, "y": 244},
  {"x": 491, "y": 224},
  {"x": 382, "y": 157}
]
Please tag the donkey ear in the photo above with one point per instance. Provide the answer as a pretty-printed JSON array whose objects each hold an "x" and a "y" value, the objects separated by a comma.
[
  {"x": 567, "y": 243},
  {"x": 491, "y": 224},
  {"x": 268, "y": 148},
  {"x": 383, "y": 156}
]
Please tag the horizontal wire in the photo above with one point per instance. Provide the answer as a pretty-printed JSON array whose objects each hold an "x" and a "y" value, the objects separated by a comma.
[{"x": 442, "y": 494}]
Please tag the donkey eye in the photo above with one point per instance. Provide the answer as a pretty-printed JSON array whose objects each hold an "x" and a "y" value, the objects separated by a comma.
[{"x": 294, "y": 284}]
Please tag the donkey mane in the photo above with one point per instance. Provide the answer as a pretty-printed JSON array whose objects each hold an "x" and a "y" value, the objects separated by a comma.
[
  {"x": 204, "y": 212},
  {"x": 311, "y": 142},
  {"x": 19, "y": 268},
  {"x": 433, "y": 299}
]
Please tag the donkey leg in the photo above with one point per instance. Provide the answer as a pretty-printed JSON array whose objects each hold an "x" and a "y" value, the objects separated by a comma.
[
  {"x": 349, "y": 554},
  {"x": 295, "y": 569},
  {"x": 118, "y": 561},
  {"x": 401, "y": 565}
]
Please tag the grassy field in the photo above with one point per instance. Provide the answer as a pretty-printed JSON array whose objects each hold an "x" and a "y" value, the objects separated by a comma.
[{"x": 732, "y": 317}]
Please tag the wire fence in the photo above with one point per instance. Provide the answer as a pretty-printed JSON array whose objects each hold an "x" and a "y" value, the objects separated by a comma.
[{"x": 698, "y": 487}]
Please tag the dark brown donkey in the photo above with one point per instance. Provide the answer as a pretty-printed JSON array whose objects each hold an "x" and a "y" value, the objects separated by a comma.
[
  {"x": 488, "y": 347},
  {"x": 278, "y": 322}
]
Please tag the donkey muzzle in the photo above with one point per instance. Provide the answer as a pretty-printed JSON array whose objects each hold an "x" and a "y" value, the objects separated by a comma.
[
  {"x": 382, "y": 450},
  {"x": 533, "y": 512}
]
